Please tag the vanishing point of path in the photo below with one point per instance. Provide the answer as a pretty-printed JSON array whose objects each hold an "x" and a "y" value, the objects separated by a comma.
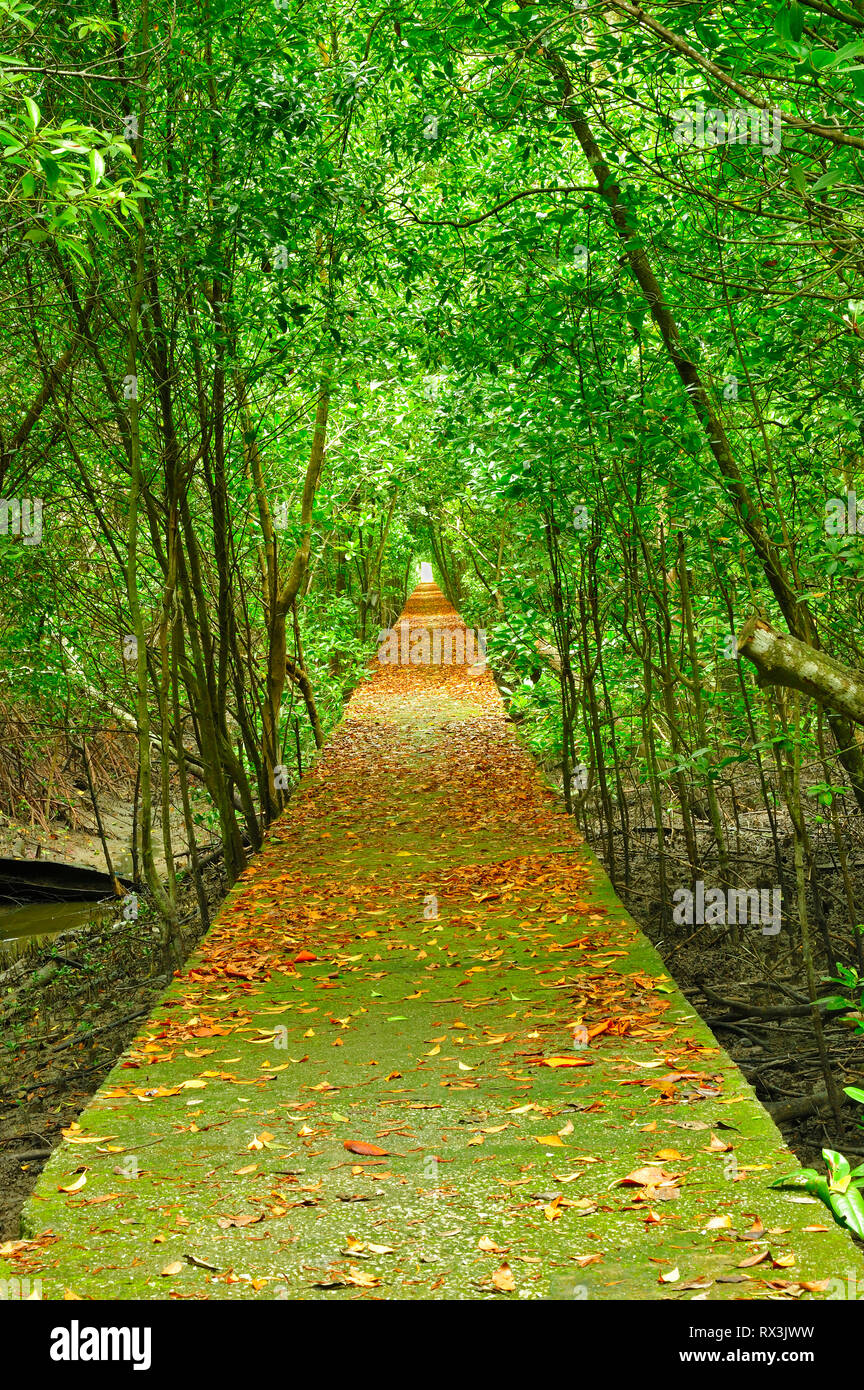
[{"x": 424, "y": 1053}]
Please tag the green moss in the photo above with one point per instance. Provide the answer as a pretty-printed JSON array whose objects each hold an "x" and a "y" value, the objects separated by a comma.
[{"x": 462, "y": 1167}]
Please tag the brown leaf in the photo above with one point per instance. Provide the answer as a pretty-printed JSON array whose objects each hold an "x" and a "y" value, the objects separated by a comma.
[
  {"x": 226, "y": 1222},
  {"x": 754, "y": 1259},
  {"x": 648, "y": 1177}
]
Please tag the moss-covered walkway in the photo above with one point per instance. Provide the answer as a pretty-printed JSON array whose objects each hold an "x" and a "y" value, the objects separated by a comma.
[{"x": 425, "y": 1053}]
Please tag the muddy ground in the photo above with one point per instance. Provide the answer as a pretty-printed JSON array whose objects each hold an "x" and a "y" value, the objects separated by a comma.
[{"x": 68, "y": 1007}]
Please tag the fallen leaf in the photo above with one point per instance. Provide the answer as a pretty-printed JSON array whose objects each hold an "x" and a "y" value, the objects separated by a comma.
[
  {"x": 563, "y": 1062},
  {"x": 74, "y": 1186},
  {"x": 754, "y": 1259},
  {"x": 488, "y": 1246}
]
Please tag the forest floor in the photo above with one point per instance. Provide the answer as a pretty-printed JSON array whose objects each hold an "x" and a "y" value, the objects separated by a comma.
[{"x": 499, "y": 1093}]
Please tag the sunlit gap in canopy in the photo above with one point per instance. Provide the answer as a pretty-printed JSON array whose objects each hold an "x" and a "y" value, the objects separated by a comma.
[{"x": 425, "y": 572}]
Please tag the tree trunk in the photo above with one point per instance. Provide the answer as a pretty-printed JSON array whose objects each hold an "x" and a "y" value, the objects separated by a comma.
[{"x": 783, "y": 660}]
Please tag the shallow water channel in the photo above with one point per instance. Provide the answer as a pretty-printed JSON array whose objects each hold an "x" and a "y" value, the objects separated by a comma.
[{"x": 33, "y": 923}]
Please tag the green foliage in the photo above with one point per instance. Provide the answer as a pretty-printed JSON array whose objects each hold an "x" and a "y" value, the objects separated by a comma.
[{"x": 840, "y": 1190}]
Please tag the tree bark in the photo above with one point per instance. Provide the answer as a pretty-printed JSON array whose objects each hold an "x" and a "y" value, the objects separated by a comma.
[{"x": 783, "y": 660}]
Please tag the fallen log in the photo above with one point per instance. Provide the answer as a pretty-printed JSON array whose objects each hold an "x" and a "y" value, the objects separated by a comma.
[
  {"x": 783, "y": 660},
  {"x": 801, "y": 1105}
]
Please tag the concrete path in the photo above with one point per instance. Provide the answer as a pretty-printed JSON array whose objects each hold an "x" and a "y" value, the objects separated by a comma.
[{"x": 425, "y": 1053}]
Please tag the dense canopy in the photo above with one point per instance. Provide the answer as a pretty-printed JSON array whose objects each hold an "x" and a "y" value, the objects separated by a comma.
[{"x": 560, "y": 300}]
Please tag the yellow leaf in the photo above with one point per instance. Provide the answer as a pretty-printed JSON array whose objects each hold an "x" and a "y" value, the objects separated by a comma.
[
  {"x": 566, "y": 1062},
  {"x": 86, "y": 1138},
  {"x": 551, "y": 1139},
  {"x": 74, "y": 1186},
  {"x": 489, "y": 1246}
]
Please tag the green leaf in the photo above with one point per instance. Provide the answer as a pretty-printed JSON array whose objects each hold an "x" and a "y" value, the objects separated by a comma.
[
  {"x": 848, "y": 1208},
  {"x": 803, "y": 1178},
  {"x": 839, "y": 1167},
  {"x": 827, "y": 181},
  {"x": 52, "y": 171}
]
